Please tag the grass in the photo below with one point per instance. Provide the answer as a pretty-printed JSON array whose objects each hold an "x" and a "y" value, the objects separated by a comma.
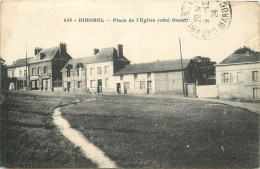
[
  {"x": 32, "y": 139},
  {"x": 166, "y": 133},
  {"x": 132, "y": 131}
]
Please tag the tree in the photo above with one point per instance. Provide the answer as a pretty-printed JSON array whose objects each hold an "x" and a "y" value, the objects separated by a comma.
[
  {"x": 244, "y": 49},
  {"x": 204, "y": 68}
]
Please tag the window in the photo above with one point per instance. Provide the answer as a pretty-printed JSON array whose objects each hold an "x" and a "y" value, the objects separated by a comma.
[
  {"x": 226, "y": 77},
  {"x": 68, "y": 72},
  {"x": 79, "y": 84},
  {"x": 12, "y": 73},
  {"x": 79, "y": 71},
  {"x": 45, "y": 69},
  {"x": 106, "y": 70},
  {"x": 99, "y": 71},
  {"x": 137, "y": 85},
  {"x": 33, "y": 71},
  {"x": 255, "y": 76},
  {"x": 239, "y": 77},
  {"x": 106, "y": 82},
  {"x": 92, "y": 83},
  {"x": 135, "y": 76},
  {"x": 25, "y": 83},
  {"x": 92, "y": 71},
  {"x": 142, "y": 84},
  {"x": 148, "y": 75},
  {"x": 39, "y": 71},
  {"x": 121, "y": 77},
  {"x": 24, "y": 72},
  {"x": 20, "y": 73}
]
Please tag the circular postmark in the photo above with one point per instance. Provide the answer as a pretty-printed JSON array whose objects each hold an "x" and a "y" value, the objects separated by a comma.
[{"x": 206, "y": 19}]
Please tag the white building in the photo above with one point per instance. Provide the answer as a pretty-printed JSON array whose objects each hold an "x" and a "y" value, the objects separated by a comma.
[
  {"x": 94, "y": 74},
  {"x": 237, "y": 76},
  {"x": 16, "y": 74}
]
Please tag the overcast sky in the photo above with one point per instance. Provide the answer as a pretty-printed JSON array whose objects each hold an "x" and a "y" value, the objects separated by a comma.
[{"x": 41, "y": 24}]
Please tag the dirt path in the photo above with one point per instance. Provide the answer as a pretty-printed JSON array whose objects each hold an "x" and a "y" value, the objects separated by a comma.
[{"x": 77, "y": 138}]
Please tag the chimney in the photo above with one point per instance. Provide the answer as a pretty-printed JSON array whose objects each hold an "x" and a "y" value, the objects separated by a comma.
[
  {"x": 120, "y": 50},
  {"x": 37, "y": 50},
  {"x": 62, "y": 48},
  {"x": 95, "y": 51}
]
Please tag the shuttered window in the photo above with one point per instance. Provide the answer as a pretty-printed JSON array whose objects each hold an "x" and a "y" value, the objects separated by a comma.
[{"x": 226, "y": 78}]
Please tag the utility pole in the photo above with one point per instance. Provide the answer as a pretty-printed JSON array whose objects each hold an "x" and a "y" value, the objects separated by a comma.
[
  {"x": 182, "y": 73},
  {"x": 26, "y": 68}
]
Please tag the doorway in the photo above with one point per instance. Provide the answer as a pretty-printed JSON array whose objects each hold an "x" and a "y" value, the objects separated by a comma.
[
  {"x": 149, "y": 87},
  {"x": 99, "y": 86},
  {"x": 118, "y": 88},
  {"x": 19, "y": 85},
  {"x": 68, "y": 86},
  {"x": 255, "y": 93}
]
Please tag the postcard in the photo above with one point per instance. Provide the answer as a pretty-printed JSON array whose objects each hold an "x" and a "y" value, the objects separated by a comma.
[{"x": 129, "y": 84}]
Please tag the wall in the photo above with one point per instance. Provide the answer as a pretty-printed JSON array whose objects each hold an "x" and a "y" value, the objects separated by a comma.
[
  {"x": 102, "y": 76},
  {"x": 168, "y": 83},
  {"x": 135, "y": 83},
  {"x": 207, "y": 91},
  {"x": 235, "y": 88},
  {"x": 42, "y": 76}
]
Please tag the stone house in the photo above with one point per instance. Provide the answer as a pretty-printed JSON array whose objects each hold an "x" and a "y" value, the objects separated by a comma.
[
  {"x": 161, "y": 77},
  {"x": 45, "y": 67},
  {"x": 94, "y": 74},
  {"x": 237, "y": 76}
]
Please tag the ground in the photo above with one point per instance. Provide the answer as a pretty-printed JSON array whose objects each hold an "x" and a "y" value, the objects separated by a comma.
[{"x": 132, "y": 131}]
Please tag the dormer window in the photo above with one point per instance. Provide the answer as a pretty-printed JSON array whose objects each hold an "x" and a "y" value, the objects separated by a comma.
[{"x": 42, "y": 55}]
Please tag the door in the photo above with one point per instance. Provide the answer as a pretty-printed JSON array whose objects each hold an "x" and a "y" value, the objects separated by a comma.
[
  {"x": 255, "y": 93},
  {"x": 19, "y": 85},
  {"x": 99, "y": 86},
  {"x": 68, "y": 86},
  {"x": 149, "y": 87},
  {"x": 126, "y": 87},
  {"x": 118, "y": 88}
]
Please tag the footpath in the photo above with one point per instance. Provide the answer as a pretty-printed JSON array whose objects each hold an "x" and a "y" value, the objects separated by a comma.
[{"x": 253, "y": 107}]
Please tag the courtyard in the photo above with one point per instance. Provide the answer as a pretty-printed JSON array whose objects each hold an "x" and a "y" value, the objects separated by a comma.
[{"x": 133, "y": 131}]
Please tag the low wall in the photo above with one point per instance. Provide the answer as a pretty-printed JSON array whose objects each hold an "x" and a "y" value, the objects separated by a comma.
[{"x": 207, "y": 91}]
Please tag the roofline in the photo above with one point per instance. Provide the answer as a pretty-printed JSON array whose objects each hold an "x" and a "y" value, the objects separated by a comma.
[
  {"x": 150, "y": 72},
  {"x": 228, "y": 64},
  {"x": 40, "y": 61},
  {"x": 15, "y": 66}
]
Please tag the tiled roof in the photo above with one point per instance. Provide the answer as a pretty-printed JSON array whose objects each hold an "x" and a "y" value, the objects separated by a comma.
[
  {"x": 49, "y": 54},
  {"x": 104, "y": 55},
  {"x": 241, "y": 58},
  {"x": 159, "y": 66},
  {"x": 19, "y": 63}
]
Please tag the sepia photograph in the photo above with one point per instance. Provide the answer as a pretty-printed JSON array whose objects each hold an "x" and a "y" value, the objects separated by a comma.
[{"x": 129, "y": 84}]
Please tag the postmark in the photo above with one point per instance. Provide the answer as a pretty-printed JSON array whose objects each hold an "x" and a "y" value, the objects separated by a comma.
[{"x": 207, "y": 19}]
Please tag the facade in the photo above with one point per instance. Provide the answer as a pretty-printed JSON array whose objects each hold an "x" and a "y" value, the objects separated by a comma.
[
  {"x": 94, "y": 74},
  {"x": 45, "y": 67},
  {"x": 16, "y": 74},
  {"x": 161, "y": 77},
  {"x": 3, "y": 75},
  {"x": 237, "y": 76}
]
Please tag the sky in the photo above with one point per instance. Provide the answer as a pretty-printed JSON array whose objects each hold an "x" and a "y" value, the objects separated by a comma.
[{"x": 41, "y": 24}]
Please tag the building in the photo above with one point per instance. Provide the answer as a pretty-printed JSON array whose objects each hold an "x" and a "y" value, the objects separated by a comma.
[
  {"x": 3, "y": 74},
  {"x": 16, "y": 74},
  {"x": 94, "y": 74},
  {"x": 45, "y": 67},
  {"x": 237, "y": 76},
  {"x": 161, "y": 77}
]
